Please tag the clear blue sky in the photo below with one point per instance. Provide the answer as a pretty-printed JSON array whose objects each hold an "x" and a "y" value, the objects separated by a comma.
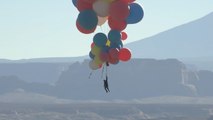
[{"x": 46, "y": 28}]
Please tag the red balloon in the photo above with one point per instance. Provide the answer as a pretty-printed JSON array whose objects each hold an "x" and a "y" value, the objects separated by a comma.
[
  {"x": 124, "y": 36},
  {"x": 114, "y": 53},
  {"x": 90, "y": 1},
  {"x": 113, "y": 60},
  {"x": 128, "y": 1},
  {"x": 119, "y": 10},
  {"x": 92, "y": 45},
  {"x": 104, "y": 56},
  {"x": 113, "y": 56},
  {"x": 84, "y": 5},
  {"x": 100, "y": 66},
  {"x": 125, "y": 54},
  {"x": 117, "y": 25},
  {"x": 81, "y": 29}
]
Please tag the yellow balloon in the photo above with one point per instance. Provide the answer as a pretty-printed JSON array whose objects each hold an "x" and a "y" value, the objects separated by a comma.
[
  {"x": 108, "y": 43},
  {"x": 96, "y": 50},
  {"x": 97, "y": 60}
]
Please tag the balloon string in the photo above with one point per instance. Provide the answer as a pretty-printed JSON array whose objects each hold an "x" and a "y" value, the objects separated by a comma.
[
  {"x": 106, "y": 70},
  {"x": 101, "y": 28},
  {"x": 102, "y": 72},
  {"x": 90, "y": 74}
]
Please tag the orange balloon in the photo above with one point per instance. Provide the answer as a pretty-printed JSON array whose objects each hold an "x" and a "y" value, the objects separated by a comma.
[{"x": 102, "y": 20}]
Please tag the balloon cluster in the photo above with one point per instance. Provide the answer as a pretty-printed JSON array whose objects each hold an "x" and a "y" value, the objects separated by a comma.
[{"x": 119, "y": 13}]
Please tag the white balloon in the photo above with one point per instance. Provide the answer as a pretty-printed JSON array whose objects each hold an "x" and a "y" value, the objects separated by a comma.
[
  {"x": 101, "y": 7},
  {"x": 102, "y": 20},
  {"x": 92, "y": 65}
]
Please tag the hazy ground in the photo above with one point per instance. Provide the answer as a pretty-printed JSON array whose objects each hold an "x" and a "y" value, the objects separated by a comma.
[{"x": 104, "y": 111}]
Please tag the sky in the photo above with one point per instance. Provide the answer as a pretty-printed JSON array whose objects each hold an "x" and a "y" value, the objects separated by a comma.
[{"x": 46, "y": 28}]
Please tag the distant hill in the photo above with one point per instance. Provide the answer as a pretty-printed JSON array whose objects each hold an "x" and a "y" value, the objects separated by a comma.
[
  {"x": 46, "y": 60},
  {"x": 34, "y": 72},
  {"x": 176, "y": 100},
  {"x": 42, "y": 70},
  {"x": 11, "y": 83},
  {"x": 136, "y": 79},
  {"x": 191, "y": 40},
  {"x": 201, "y": 63},
  {"x": 139, "y": 78},
  {"x": 21, "y": 96}
]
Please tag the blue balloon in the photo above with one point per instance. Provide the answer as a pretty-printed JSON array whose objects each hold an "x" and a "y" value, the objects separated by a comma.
[
  {"x": 118, "y": 45},
  {"x": 91, "y": 55},
  {"x": 114, "y": 46},
  {"x": 88, "y": 19},
  {"x": 114, "y": 36},
  {"x": 100, "y": 39},
  {"x": 136, "y": 14},
  {"x": 105, "y": 49},
  {"x": 74, "y": 2}
]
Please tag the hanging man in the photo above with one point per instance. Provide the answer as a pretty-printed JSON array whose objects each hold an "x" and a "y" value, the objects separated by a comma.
[{"x": 106, "y": 86}]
